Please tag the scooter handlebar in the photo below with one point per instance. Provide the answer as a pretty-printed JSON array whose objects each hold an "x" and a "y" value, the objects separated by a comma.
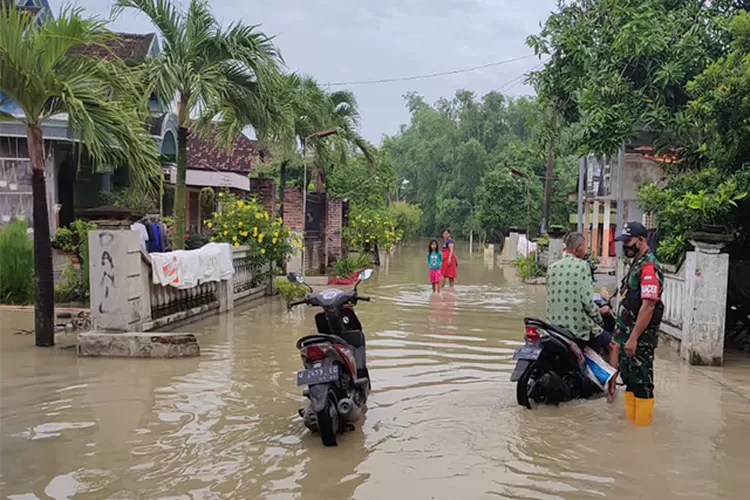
[{"x": 363, "y": 298}]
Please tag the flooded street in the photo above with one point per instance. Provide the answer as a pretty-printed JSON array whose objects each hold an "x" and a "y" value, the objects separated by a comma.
[{"x": 442, "y": 420}]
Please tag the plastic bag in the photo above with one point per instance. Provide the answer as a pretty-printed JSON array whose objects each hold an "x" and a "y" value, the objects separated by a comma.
[{"x": 597, "y": 369}]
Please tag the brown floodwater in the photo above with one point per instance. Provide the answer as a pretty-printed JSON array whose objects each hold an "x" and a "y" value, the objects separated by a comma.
[{"x": 442, "y": 421}]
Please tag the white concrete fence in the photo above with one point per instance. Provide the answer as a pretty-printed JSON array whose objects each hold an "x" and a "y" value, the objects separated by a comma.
[
  {"x": 695, "y": 301},
  {"x": 125, "y": 299}
]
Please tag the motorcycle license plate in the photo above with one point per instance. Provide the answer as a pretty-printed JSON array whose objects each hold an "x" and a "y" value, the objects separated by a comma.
[
  {"x": 528, "y": 352},
  {"x": 321, "y": 375}
]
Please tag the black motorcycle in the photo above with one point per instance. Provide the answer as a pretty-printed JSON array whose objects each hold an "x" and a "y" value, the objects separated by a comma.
[
  {"x": 335, "y": 361},
  {"x": 550, "y": 367}
]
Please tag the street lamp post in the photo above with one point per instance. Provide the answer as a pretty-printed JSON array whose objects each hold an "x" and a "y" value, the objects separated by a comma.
[
  {"x": 321, "y": 134},
  {"x": 522, "y": 175},
  {"x": 401, "y": 184}
]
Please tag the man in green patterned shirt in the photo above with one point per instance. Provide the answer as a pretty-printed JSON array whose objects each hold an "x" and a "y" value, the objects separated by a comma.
[{"x": 570, "y": 291}]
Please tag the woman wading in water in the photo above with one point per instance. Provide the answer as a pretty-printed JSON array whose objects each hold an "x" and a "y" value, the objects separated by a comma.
[{"x": 448, "y": 270}]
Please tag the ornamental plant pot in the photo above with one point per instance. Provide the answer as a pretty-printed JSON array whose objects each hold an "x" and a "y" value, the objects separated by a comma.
[
  {"x": 556, "y": 233},
  {"x": 713, "y": 229}
]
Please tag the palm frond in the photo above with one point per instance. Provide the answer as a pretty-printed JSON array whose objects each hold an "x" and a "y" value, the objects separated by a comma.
[
  {"x": 164, "y": 14},
  {"x": 106, "y": 107}
]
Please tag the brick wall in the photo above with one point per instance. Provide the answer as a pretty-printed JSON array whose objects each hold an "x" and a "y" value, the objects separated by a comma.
[
  {"x": 334, "y": 220},
  {"x": 265, "y": 191},
  {"x": 293, "y": 217}
]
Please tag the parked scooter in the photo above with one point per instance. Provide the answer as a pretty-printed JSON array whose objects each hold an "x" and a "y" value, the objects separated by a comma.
[
  {"x": 550, "y": 367},
  {"x": 335, "y": 361}
]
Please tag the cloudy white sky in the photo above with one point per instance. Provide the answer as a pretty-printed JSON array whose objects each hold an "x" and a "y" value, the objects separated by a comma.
[{"x": 355, "y": 40}]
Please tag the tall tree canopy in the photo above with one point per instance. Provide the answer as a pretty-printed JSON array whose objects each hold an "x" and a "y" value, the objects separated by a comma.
[{"x": 457, "y": 157}]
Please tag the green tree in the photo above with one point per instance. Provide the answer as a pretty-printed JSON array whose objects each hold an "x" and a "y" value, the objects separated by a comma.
[
  {"x": 306, "y": 109},
  {"x": 227, "y": 78},
  {"x": 105, "y": 106},
  {"x": 619, "y": 70},
  {"x": 457, "y": 156}
]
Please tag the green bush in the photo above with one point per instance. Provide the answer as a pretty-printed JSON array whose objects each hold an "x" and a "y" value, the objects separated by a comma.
[
  {"x": 16, "y": 265},
  {"x": 407, "y": 218},
  {"x": 343, "y": 268},
  {"x": 526, "y": 267},
  {"x": 130, "y": 198},
  {"x": 194, "y": 240},
  {"x": 63, "y": 240},
  {"x": 290, "y": 291}
]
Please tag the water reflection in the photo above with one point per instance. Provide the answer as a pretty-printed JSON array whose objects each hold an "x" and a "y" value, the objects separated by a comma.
[{"x": 442, "y": 421}]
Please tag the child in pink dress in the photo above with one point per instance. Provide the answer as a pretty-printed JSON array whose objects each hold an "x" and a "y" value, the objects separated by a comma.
[{"x": 435, "y": 261}]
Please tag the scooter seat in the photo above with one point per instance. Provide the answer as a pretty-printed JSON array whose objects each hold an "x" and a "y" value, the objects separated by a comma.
[
  {"x": 319, "y": 338},
  {"x": 551, "y": 327}
]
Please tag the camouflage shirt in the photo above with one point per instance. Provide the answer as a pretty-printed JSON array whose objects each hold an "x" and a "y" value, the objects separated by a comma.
[{"x": 644, "y": 281}]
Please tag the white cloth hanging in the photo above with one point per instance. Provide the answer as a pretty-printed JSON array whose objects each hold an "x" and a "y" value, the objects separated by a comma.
[
  {"x": 141, "y": 230},
  {"x": 189, "y": 268}
]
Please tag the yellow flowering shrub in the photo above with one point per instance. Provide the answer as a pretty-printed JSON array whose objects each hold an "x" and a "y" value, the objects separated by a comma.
[
  {"x": 246, "y": 222},
  {"x": 368, "y": 228}
]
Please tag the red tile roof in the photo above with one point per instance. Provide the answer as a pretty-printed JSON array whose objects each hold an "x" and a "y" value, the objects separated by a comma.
[
  {"x": 125, "y": 46},
  {"x": 202, "y": 155}
]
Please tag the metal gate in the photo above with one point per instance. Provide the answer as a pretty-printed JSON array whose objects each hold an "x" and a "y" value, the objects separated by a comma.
[{"x": 315, "y": 215}]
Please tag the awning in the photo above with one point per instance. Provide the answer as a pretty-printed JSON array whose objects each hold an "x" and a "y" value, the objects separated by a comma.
[{"x": 210, "y": 178}]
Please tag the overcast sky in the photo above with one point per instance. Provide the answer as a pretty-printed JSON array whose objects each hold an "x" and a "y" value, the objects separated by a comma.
[{"x": 355, "y": 40}]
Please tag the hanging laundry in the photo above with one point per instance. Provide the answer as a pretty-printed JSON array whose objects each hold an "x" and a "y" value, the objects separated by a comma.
[{"x": 142, "y": 232}]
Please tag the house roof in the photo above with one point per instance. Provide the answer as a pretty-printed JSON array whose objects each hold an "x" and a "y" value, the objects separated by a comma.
[
  {"x": 125, "y": 46},
  {"x": 202, "y": 155}
]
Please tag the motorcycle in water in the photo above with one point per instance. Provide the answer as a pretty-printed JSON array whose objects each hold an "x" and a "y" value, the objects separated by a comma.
[
  {"x": 335, "y": 361},
  {"x": 550, "y": 367}
]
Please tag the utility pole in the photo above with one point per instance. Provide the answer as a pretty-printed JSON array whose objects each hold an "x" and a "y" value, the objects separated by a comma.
[
  {"x": 550, "y": 168},
  {"x": 581, "y": 180}
]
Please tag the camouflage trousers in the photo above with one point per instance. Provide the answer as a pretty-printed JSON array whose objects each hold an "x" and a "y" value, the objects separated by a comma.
[{"x": 637, "y": 372}]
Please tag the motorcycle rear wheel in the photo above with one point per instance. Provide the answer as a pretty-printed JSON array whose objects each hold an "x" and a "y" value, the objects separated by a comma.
[
  {"x": 523, "y": 391},
  {"x": 328, "y": 422}
]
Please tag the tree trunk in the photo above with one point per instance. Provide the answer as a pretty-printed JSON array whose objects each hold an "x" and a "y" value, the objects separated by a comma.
[
  {"x": 179, "y": 192},
  {"x": 44, "y": 310},
  {"x": 550, "y": 169}
]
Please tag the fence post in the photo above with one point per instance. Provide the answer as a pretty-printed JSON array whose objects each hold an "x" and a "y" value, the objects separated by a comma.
[
  {"x": 510, "y": 248},
  {"x": 706, "y": 278},
  {"x": 225, "y": 294},
  {"x": 115, "y": 281},
  {"x": 555, "y": 250}
]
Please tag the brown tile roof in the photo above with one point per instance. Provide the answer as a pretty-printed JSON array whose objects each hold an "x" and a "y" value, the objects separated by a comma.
[
  {"x": 126, "y": 46},
  {"x": 202, "y": 155}
]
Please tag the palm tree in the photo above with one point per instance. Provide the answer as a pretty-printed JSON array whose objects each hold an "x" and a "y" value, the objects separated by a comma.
[
  {"x": 223, "y": 77},
  {"x": 309, "y": 109},
  {"x": 106, "y": 112}
]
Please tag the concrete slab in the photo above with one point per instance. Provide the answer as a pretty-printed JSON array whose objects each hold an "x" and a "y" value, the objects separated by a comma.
[{"x": 138, "y": 345}]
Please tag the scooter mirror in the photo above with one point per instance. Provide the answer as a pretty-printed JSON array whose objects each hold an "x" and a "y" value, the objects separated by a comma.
[
  {"x": 295, "y": 278},
  {"x": 365, "y": 274}
]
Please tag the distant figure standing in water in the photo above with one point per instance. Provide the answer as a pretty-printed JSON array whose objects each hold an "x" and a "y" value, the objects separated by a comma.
[
  {"x": 450, "y": 263},
  {"x": 435, "y": 261}
]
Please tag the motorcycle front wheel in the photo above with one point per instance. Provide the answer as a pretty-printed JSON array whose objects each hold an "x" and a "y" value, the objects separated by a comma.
[{"x": 328, "y": 422}]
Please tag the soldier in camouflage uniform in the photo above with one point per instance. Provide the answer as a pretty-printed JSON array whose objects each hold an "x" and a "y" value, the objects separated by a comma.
[{"x": 638, "y": 319}]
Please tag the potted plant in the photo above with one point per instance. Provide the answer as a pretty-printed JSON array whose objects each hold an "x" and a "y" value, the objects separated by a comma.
[
  {"x": 556, "y": 231},
  {"x": 713, "y": 207}
]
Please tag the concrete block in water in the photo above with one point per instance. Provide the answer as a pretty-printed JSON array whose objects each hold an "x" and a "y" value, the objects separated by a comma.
[{"x": 138, "y": 345}]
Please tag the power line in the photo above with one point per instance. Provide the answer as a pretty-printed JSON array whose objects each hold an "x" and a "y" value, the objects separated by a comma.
[
  {"x": 513, "y": 82},
  {"x": 429, "y": 75}
]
